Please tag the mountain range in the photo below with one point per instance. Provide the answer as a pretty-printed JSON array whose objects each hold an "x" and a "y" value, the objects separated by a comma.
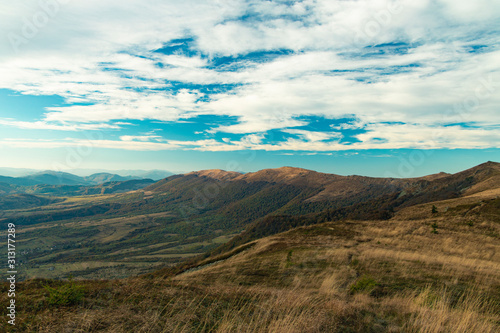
[
  {"x": 296, "y": 191},
  {"x": 67, "y": 184},
  {"x": 287, "y": 250},
  {"x": 216, "y": 210},
  {"x": 27, "y": 177}
]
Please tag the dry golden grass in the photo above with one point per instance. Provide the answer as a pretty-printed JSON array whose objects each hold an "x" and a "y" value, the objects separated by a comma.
[
  {"x": 257, "y": 309},
  {"x": 369, "y": 276}
]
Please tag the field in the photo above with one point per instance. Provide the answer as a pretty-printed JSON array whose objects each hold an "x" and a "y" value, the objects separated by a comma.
[
  {"x": 385, "y": 255},
  {"x": 101, "y": 246},
  {"x": 431, "y": 268},
  {"x": 118, "y": 235}
]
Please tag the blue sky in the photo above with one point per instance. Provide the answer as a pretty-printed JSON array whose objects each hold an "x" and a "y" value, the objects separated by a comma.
[{"x": 379, "y": 87}]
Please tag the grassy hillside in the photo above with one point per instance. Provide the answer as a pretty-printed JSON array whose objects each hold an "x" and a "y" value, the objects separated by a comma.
[
  {"x": 433, "y": 267},
  {"x": 22, "y": 201},
  {"x": 105, "y": 235}
]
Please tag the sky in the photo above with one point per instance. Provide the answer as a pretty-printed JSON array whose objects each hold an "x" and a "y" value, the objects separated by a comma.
[{"x": 379, "y": 88}]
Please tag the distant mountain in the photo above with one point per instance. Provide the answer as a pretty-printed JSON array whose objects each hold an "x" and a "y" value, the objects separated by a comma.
[
  {"x": 129, "y": 174},
  {"x": 56, "y": 178},
  {"x": 155, "y": 174},
  {"x": 77, "y": 190},
  {"x": 17, "y": 181},
  {"x": 103, "y": 177},
  {"x": 146, "y": 174},
  {"x": 28, "y": 177},
  {"x": 64, "y": 178}
]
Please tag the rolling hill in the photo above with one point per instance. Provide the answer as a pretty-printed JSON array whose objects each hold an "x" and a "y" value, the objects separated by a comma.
[
  {"x": 55, "y": 178},
  {"x": 141, "y": 228},
  {"x": 64, "y": 178},
  {"x": 110, "y": 187},
  {"x": 433, "y": 265},
  {"x": 103, "y": 177},
  {"x": 65, "y": 184}
]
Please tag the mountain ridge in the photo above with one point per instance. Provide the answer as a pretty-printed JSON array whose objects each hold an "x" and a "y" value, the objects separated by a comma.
[
  {"x": 332, "y": 186},
  {"x": 288, "y": 172},
  {"x": 223, "y": 242}
]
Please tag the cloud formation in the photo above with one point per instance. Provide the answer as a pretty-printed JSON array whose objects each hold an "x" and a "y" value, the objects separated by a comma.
[{"x": 403, "y": 74}]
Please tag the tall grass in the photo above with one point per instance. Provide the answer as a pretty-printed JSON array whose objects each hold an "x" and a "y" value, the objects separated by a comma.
[
  {"x": 438, "y": 312},
  {"x": 392, "y": 276},
  {"x": 257, "y": 309}
]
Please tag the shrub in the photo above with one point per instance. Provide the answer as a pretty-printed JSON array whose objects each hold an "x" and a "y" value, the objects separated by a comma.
[
  {"x": 364, "y": 284},
  {"x": 66, "y": 294}
]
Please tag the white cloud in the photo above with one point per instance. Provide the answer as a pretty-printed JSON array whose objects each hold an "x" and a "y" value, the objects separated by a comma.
[
  {"x": 100, "y": 53},
  {"x": 379, "y": 136},
  {"x": 312, "y": 136},
  {"x": 42, "y": 125},
  {"x": 142, "y": 138}
]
